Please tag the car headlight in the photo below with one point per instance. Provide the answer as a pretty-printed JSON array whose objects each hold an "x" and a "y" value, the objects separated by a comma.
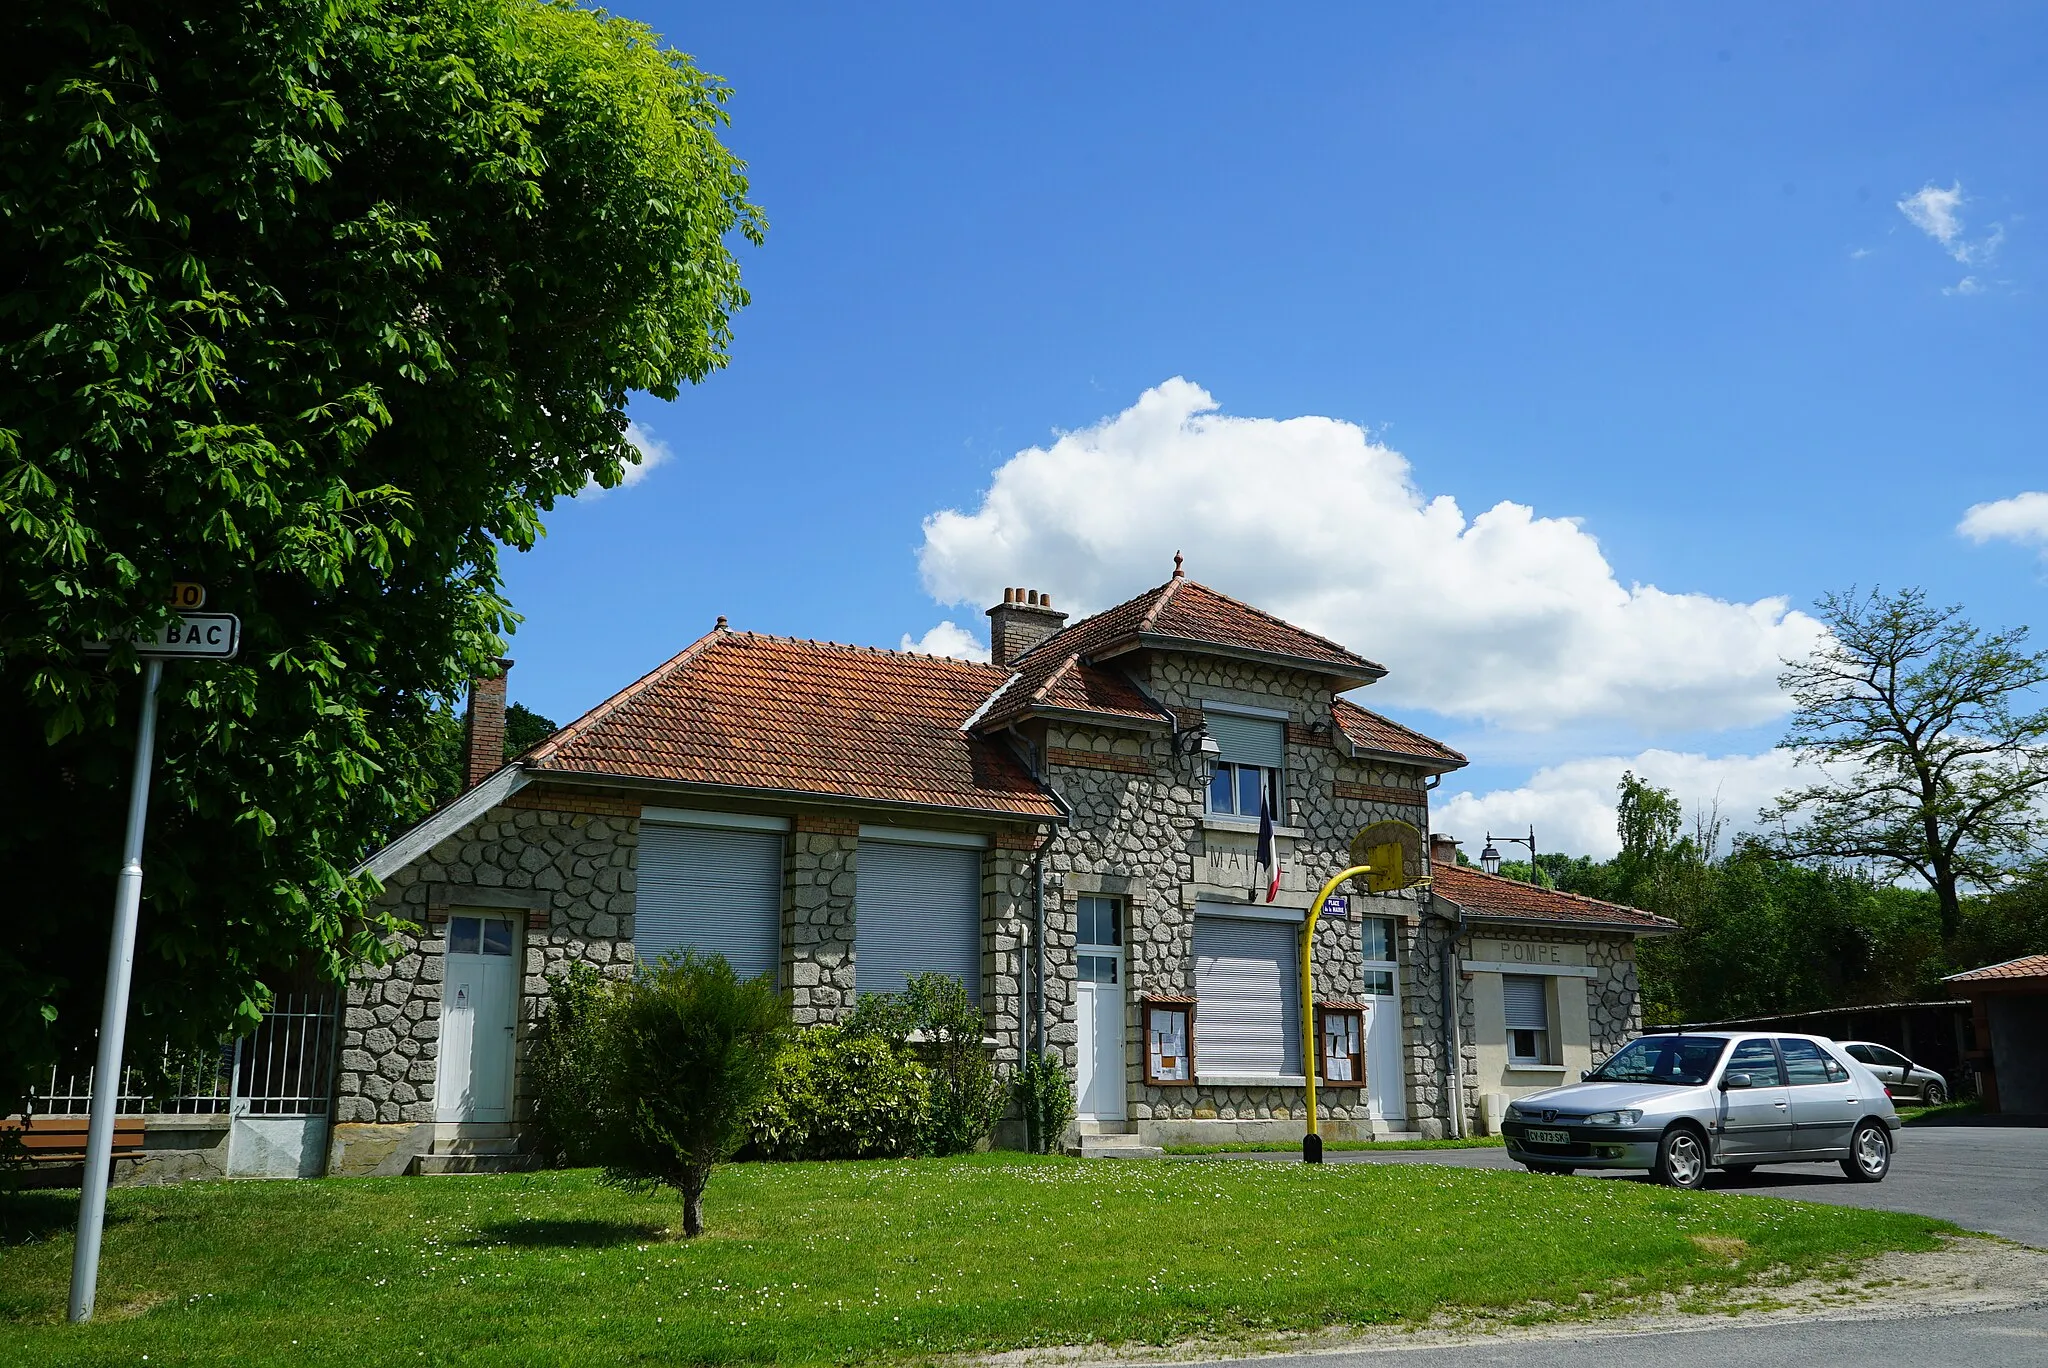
[{"x": 1615, "y": 1118}]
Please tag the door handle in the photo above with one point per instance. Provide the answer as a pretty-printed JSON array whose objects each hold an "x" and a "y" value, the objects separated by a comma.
[{"x": 1781, "y": 1106}]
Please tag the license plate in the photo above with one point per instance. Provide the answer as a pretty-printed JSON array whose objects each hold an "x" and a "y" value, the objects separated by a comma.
[{"x": 1547, "y": 1137}]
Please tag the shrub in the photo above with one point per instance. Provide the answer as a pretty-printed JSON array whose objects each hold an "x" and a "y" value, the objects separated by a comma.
[
  {"x": 967, "y": 1097},
  {"x": 842, "y": 1094},
  {"x": 566, "y": 1068},
  {"x": 1045, "y": 1096},
  {"x": 691, "y": 1051}
]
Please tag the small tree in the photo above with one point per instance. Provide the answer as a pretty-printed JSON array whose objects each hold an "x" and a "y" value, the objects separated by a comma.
[
  {"x": 692, "y": 1053},
  {"x": 1933, "y": 771}
]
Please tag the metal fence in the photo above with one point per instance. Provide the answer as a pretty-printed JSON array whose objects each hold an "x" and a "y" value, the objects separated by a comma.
[{"x": 282, "y": 1068}]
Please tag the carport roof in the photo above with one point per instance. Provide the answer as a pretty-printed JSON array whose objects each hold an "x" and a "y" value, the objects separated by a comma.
[{"x": 2026, "y": 967}]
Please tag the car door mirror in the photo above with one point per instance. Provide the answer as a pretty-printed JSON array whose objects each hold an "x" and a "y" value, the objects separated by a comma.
[{"x": 1735, "y": 1080}]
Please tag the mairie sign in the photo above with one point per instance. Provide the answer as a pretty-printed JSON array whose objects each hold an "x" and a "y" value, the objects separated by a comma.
[{"x": 192, "y": 636}]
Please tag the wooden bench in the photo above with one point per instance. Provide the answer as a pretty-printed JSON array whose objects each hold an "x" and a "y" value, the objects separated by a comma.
[{"x": 61, "y": 1139}]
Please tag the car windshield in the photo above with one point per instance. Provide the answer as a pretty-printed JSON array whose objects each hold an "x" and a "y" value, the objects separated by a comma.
[{"x": 1682, "y": 1061}]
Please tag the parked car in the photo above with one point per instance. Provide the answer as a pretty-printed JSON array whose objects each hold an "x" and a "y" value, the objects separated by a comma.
[
  {"x": 1681, "y": 1104},
  {"x": 1899, "y": 1074}
]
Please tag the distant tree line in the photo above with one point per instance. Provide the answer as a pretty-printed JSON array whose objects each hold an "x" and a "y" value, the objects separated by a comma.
[{"x": 1916, "y": 851}]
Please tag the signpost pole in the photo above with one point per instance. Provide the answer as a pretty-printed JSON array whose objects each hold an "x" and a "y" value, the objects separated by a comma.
[
  {"x": 106, "y": 1076},
  {"x": 1312, "y": 1139}
]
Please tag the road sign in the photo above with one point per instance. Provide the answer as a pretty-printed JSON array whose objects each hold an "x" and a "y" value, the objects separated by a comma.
[
  {"x": 186, "y": 596},
  {"x": 188, "y": 636}
]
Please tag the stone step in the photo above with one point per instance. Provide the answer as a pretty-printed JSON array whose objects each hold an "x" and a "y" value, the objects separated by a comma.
[
  {"x": 505, "y": 1144},
  {"x": 1114, "y": 1147},
  {"x": 443, "y": 1165}
]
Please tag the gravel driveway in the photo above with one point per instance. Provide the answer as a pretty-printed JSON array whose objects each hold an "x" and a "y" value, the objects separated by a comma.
[{"x": 1981, "y": 1176}]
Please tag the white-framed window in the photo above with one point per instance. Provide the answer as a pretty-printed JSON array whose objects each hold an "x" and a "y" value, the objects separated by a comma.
[
  {"x": 1246, "y": 771},
  {"x": 1525, "y": 1003},
  {"x": 1098, "y": 937},
  {"x": 1377, "y": 933}
]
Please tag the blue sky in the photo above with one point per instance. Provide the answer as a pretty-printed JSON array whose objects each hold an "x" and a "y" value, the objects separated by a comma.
[{"x": 1641, "y": 268}]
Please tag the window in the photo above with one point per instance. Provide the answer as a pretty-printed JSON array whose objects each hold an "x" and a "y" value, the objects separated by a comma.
[
  {"x": 713, "y": 889},
  {"x": 479, "y": 936},
  {"x": 1098, "y": 927},
  {"x": 1805, "y": 1064},
  {"x": 1378, "y": 933},
  {"x": 1861, "y": 1054},
  {"x": 1678, "y": 1061},
  {"x": 1524, "y": 1001},
  {"x": 1246, "y": 772},
  {"x": 1248, "y": 982},
  {"x": 1890, "y": 1059},
  {"x": 1757, "y": 1059},
  {"x": 1167, "y": 1036},
  {"x": 1340, "y": 1056},
  {"x": 917, "y": 909}
]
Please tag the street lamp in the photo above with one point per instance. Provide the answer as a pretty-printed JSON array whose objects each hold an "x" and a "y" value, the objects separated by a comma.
[{"x": 1489, "y": 858}]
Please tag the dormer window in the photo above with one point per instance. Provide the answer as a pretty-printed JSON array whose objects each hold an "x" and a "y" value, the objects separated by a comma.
[{"x": 1251, "y": 754}]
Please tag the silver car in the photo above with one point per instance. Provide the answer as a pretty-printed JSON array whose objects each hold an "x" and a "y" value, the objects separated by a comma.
[
  {"x": 1684, "y": 1103},
  {"x": 1900, "y": 1075}
]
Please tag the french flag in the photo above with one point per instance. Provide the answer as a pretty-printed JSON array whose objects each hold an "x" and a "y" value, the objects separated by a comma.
[{"x": 1269, "y": 857}]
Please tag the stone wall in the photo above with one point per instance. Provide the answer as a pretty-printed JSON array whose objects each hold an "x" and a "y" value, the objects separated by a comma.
[{"x": 566, "y": 876}]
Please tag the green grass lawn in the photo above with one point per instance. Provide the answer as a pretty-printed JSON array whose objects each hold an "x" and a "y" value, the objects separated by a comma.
[
  {"x": 1294, "y": 1146},
  {"x": 839, "y": 1263}
]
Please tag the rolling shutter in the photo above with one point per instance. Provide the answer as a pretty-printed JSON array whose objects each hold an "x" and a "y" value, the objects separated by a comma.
[
  {"x": 917, "y": 909},
  {"x": 1248, "y": 740},
  {"x": 1248, "y": 994},
  {"x": 1522, "y": 1003},
  {"x": 711, "y": 890}
]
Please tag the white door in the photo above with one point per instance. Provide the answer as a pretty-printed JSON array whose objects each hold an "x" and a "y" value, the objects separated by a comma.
[
  {"x": 1099, "y": 1011},
  {"x": 1386, "y": 1084},
  {"x": 479, "y": 989}
]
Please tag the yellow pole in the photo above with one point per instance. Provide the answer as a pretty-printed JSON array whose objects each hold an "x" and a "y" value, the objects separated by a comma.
[{"x": 1312, "y": 1153}]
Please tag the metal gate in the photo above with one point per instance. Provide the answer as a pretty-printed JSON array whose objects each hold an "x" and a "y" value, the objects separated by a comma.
[{"x": 274, "y": 1085}]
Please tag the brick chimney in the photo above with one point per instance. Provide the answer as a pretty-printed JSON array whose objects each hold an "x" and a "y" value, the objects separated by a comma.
[
  {"x": 1024, "y": 618},
  {"x": 484, "y": 747},
  {"x": 1443, "y": 851}
]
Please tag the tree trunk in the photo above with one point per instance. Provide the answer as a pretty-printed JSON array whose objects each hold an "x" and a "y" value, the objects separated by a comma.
[
  {"x": 693, "y": 1202},
  {"x": 1951, "y": 904}
]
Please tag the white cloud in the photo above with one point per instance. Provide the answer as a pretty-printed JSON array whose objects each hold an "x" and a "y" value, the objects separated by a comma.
[
  {"x": 1572, "y": 804},
  {"x": 2023, "y": 518},
  {"x": 1936, "y": 212},
  {"x": 1939, "y": 214},
  {"x": 947, "y": 639},
  {"x": 1507, "y": 617},
  {"x": 653, "y": 452}
]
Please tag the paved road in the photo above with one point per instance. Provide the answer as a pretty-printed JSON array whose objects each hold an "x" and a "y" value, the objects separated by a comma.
[
  {"x": 1982, "y": 1177},
  {"x": 2008, "y": 1339}
]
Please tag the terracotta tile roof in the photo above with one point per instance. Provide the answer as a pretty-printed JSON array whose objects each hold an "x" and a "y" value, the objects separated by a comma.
[
  {"x": 2025, "y": 967},
  {"x": 1370, "y": 731},
  {"x": 1489, "y": 895},
  {"x": 744, "y": 710},
  {"x": 1061, "y": 671}
]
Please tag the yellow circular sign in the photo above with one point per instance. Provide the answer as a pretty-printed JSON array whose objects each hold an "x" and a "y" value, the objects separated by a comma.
[{"x": 1393, "y": 853}]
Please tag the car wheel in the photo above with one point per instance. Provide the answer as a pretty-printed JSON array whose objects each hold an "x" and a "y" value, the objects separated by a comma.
[
  {"x": 1870, "y": 1153},
  {"x": 1934, "y": 1094},
  {"x": 1739, "y": 1170},
  {"x": 1681, "y": 1159}
]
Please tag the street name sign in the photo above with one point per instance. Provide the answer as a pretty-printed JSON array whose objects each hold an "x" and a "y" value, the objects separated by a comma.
[{"x": 189, "y": 636}]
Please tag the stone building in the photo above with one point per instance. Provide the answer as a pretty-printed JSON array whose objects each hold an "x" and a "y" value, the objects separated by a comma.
[{"x": 1072, "y": 830}]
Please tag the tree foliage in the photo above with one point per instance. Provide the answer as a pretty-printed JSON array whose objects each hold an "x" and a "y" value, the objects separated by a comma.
[
  {"x": 1928, "y": 766},
  {"x": 319, "y": 303},
  {"x": 690, "y": 1051}
]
